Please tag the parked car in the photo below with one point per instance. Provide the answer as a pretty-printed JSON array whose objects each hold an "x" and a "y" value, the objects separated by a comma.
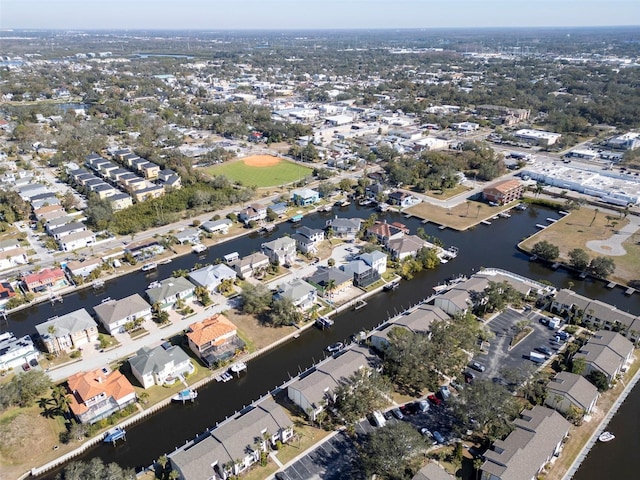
[
  {"x": 33, "y": 362},
  {"x": 426, "y": 432},
  {"x": 378, "y": 419},
  {"x": 477, "y": 366},
  {"x": 409, "y": 409},
  {"x": 397, "y": 413},
  {"x": 545, "y": 350},
  {"x": 445, "y": 393},
  {"x": 26, "y": 367},
  {"x": 437, "y": 436},
  {"x": 335, "y": 347},
  {"x": 435, "y": 400},
  {"x": 469, "y": 377},
  {"x": 423, "y": 406}
]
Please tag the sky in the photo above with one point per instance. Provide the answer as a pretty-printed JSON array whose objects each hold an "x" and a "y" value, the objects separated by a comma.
[{"x": 312, "y": 14}]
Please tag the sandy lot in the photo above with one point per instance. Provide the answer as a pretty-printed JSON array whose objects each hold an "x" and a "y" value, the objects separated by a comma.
[{"x": 261, "y": 161}]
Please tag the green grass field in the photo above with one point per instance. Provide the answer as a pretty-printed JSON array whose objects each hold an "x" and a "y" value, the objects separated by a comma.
[{"x": 280, "y": 174}]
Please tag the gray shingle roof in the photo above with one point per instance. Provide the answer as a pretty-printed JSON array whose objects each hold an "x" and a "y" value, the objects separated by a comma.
[
  {"x": 114, "y": 310},
  {"x": 150, "y": 360},
  {"x": 68, "y": 324},
  {"x": 575, "y": 388}
]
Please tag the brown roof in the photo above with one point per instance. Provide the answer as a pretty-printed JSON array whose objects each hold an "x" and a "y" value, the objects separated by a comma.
[
  {"x": 86, "y": 385},
  {"x": 210, "y": 329},
  {"x": 505, "y": 186}
]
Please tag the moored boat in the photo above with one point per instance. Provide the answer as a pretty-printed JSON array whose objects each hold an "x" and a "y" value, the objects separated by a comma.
[
  {"x": 185, "y": 395},
  {"x": 199, "y": 248},
  {"x": 147, "y": 267},
  {"x": 115, "y": 434},
  {"x": 606, "y": 437}
]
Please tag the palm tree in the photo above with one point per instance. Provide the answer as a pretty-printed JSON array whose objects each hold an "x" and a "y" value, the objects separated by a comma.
[
  {"x": 331, "y": 285},
  {"x": 468, "y": 205},
  {"x": 163, "y": 461},
  {"x": 595, "y": 214},
  {"x": 477, "y": 465},
  {"x": 478, "y": 211}
]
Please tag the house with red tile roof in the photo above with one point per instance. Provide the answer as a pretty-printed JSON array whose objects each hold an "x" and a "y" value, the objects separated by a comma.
[
  {"x": 504, "y": 192},
  {"x": 214, "y": 339},
  {"x": 44, "y": 279},
  {"x": 97, "y": 394}
]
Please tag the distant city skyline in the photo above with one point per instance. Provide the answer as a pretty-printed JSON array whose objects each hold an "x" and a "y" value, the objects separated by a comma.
[{"x": 312, "y": 14}]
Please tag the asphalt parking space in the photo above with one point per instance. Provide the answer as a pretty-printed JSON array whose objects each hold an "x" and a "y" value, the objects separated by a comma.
[{"x": 499, "y": 356}]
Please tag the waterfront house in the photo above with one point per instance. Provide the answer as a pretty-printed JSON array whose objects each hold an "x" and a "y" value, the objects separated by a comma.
[
  {"x": 314, "y": 391},
  {"x": 402, "y": 199},
  {"x": 247, "y": 267},
  {"x": 406, "y": 246},
  {"x": 15, "y": 352},
  {"x": 212, "y": 276},
  {"x": 97, "y": 394},
  {"x": 330, "y": 280},
  {"x": 66, "y": 332},
  {"x": 537, "y": 438},
  {"x": 305, "y": 196},
  {"x": 235, "y": 445},
  {"x": 363, "y": 274},
  {"x": 456, "y": 300},
  {"x": 162, "y": 364},
  {"x": 568, "y": 391},
  {"x": 346, "y": 228},
  {"x": 115, "y": 314},
  {"x": 281, "y": 251},
  {"x": 188, "y": 235},
  {"x": 279, "y": 208},
  {"x": 384, "y": 232},
  {"x": 503, "y": 192},
  {"x": 302, "y": 294},
  {"x": 253, "y": 213},
  {"x": 416, "y": 321},
  {"x": 214, "y": 339},
  {"x": 376, "y": 260},
  {"x": 83, "y": 268},
  {"x": 607, "y": 352},
  {"x": 6, "y": 292},
  {"x": 170, "y": 291},
  {"x": 48, "y": 278},
  {"x": 217, "y": 226},
  {"x": 144, "y": 248},
  {"x": 307, "y": 239}
]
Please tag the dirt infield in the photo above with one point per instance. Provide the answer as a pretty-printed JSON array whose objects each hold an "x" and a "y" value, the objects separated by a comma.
[{"x": 261, "y": 161}]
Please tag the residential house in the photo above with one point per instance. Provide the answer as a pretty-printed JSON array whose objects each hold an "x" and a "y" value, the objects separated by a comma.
[
  {"x": 148, "y": 192},
  {"x": 66, "y": 332},
  {"x": 13, "y": 257},
  {"x": 235, "y": 445},
  {"x": 406, "y": 246},
  {"x": 247, "y": 267},
  {"x": 418, "y": 320},
  {"x": 384, "y": 232},
  {"x": 307, "y": 239},
  {"x": 253, "y": 213},
  {"x": 15, "y": 352},
  {"x": 607, "y": 352},
  {"x": 48, "y": 278},
  {"x": 454, "y": 301},
  {"x": 217, "y": 226},
  {"x": 42, "y": 200},
  {"x": 6, "y": 292},
  {"x": 120, "y": 201},
  {"x": 170, "y": 291},
  {"x": 304, "y": 197},
  {"x": 363, "y": 274},
  {"x": 376, "y": 260},
  {"x": 144, "y": 248},
  {"x": 314, "y": 391},
  {"x": 170, "y": 179},
  {"x": 188, "y": 235},
  {"x": 568, "y": 391},
  {"x": 83, "y": 268},
  {"x": 76, "y": 240},
  {"x": 115, "y": 314},
  {"x": 214, "y": 339},
  {"x": 402, "y": 199},
  {"x": 97, "y": 394},
  {"x": 504, "y": 192},
  {"x": 432, "y": 471},
  {"x": 537, "y": 438},
  {"x": 66, "y": 229},
  {"x": 162, "y": 364},
  {"x": 329, "y": 280},
  {"x": 279, "y": 208},
  {"x": 346, "y": 228},
  {"x": 302, "y": 294},
  {"x": 281, "y": 251},
  {"x": 212, "y": 276}
]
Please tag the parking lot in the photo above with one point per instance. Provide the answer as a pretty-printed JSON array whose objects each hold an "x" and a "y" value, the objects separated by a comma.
[
  {"x": 337, "y": 458},
  {"x": 498, "y": 356}
]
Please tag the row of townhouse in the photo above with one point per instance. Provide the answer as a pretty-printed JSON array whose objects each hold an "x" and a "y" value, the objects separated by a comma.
[
  {"x": 118, "y": 200},
  {"x": 139, "y": 188},
  {"x": 596, "y": 314}
]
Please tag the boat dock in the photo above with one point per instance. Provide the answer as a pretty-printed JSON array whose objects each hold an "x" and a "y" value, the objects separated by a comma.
[
  {"x": 112, "y": 436},
  {"x": 485, "y": 222},
  {"x": 185, "y": 395},
  {"x": 612, "y": 285},
  {"x": 98, "y": 284},
  {"x": 324, "y": 322},
  {"x": 238, "y": 368},
  {"x": 224, "y": 377},
  {"x": 629, "y": 291},
  {"x": 359, "y": 304}
]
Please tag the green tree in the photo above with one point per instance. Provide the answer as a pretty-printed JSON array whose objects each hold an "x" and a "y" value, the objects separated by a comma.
[
  {"x": 404, "y": 360},
  {"x": 578, "y": 365},
  {"x": 255, "y": 299},
  {"x": 284, "y": 312},
  {"x": 393, "y": 452},
  {"x": 362, "y": 392},
  {"x": 602, "y": 266},
  {"x": 546, "y": 250},
  {"x": 599, "y": 380},
  {"x": 579, "y": 259},
  {"x": 95, "y": 469}
]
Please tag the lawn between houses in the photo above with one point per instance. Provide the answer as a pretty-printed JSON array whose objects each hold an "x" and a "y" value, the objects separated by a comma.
[
  {"x": 280, "y": 173},
  {"x": 576, "y": 229}
]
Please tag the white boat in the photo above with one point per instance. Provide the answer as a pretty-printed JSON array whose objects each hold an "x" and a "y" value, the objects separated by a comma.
[
  {"x": 238, "y": 367},
  {"x": 147, "y": 267},
  {"x": 199, "y": 248},
  {"x": 185, "y": 395},
  {"x": 98, "y": 284},
  {"x": 154, "y": 285},
  {"x": 606, "y": 437},
  {"x": 224, "y": 377}
]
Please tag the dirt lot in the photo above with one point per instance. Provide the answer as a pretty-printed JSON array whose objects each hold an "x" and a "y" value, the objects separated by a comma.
[
  {"x": 576, "y": 229},
  {"x": 258, "y": 335},
  {"x": 460, "y": 217}
]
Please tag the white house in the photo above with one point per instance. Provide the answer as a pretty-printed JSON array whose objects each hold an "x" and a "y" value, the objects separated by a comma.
[
  {"x": 281, "y": 251},
  {"x": 302, "y": 294},
  {"x": 115, "y": 314},
  {"x": 154, "y": 366},
  {"x": 212, "y": 276}
]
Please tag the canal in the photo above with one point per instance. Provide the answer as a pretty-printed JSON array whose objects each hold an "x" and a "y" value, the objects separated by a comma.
[{"x": 484, "y": 246}]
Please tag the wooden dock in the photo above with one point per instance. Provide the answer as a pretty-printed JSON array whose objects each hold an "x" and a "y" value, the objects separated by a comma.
[
  {"x": 612, "y": 285},
  {"x": 629, "y": 291}
]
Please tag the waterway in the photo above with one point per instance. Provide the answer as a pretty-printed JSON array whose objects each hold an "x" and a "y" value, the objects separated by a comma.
[{"x": 484, "y": 246}]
